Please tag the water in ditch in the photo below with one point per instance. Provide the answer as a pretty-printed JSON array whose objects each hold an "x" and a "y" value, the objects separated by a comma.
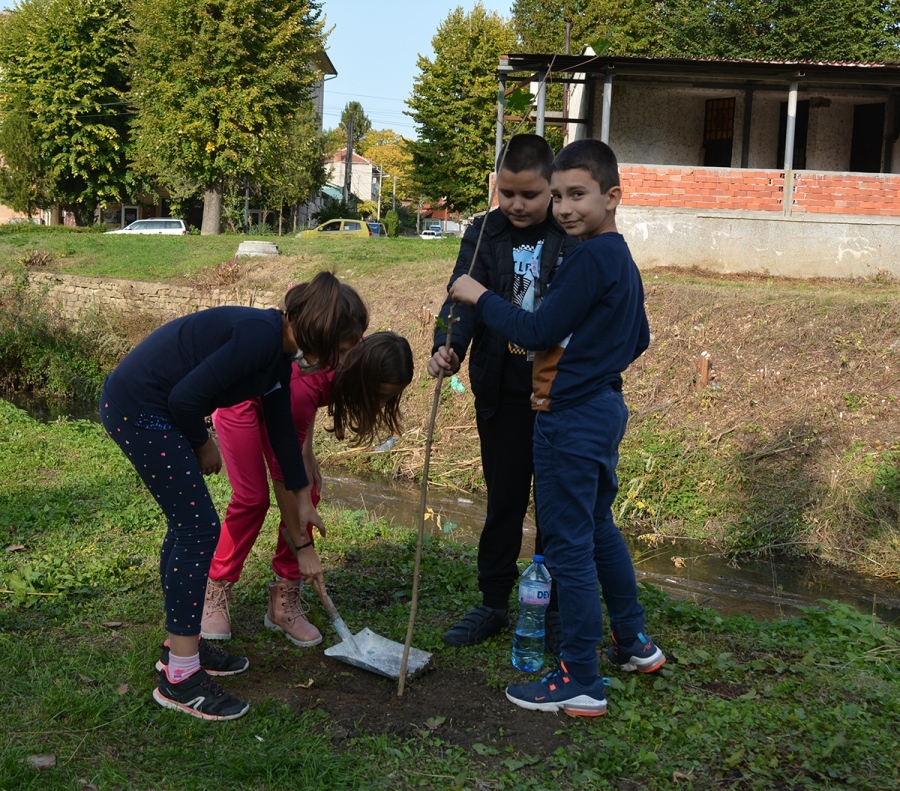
[{"x": 762, "y": 588}]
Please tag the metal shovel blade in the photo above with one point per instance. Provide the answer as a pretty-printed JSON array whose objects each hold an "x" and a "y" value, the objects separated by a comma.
[{"x": 369, "y": 651}]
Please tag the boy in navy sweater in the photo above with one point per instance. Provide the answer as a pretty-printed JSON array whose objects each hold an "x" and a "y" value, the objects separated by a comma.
[{"x": 589, "y": 328}]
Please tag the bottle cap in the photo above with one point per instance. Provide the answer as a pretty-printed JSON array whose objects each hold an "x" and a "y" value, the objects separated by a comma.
[{"x": 538, "y": 559}]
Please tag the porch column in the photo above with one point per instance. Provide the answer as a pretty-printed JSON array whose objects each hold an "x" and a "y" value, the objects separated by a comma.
[
  {"x": 501, "y": 104},
  {"x": 790, "y": 129},
  {"x": 745, "y": 141},
  {"x": 607, "y": 107},
  {"x": 540, "y": 110}
]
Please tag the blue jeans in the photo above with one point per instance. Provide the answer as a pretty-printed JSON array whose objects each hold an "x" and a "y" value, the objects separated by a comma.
[{"x": 575, "y": 455}]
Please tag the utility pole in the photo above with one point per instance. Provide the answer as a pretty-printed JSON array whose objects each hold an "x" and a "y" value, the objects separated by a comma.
[
  {"x": 394, "y": 196},
  {"x": 348, "y": 162}
]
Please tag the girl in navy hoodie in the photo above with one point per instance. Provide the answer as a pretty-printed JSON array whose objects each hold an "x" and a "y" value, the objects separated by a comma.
[{"x": 154, "y": 406}]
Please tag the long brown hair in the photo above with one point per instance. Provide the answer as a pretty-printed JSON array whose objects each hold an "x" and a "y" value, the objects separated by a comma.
[
  {"x": 355, "y": 403},
  {"x": 323, "y": 313}
]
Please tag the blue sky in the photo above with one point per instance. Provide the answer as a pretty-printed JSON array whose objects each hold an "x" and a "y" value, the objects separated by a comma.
[{"x": 374, "y": 48}]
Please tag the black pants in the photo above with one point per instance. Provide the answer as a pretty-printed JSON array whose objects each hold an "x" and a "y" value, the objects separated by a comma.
[{"x": 507, "y": 459}]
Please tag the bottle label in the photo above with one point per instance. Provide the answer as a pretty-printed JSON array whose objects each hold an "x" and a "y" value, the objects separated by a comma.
[{"x": 535, "y": 594}]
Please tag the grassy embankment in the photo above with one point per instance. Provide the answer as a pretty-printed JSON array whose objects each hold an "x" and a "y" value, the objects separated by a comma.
[
  {"x": 792, "y": 448},
  {"x": 812, "y": 702}
]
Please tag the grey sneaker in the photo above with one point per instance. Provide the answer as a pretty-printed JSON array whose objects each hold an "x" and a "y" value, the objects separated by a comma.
[{"x": 476, "y": 626}]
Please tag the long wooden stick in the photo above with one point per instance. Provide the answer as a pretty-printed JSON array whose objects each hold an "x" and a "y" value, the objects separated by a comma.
[{"x": 423, "y": 495}]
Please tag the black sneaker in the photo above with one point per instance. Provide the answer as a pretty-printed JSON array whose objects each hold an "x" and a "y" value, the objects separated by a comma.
[
  {"x": 200, "y": 696},
  {"x": 552, "y": 633},
  {"x": 641, "y": 654},
  {"x": 214, "y": 660},
  {"x": 477, "y": 626}
]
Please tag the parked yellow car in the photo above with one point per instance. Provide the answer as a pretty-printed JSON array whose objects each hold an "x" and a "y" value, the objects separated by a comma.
[{"x": 337, "y": 228}]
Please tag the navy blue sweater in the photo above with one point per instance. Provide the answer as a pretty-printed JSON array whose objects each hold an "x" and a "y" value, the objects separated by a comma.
[
  {"x": 589, "y": 328},
  {"x": 188, "y": 368}
]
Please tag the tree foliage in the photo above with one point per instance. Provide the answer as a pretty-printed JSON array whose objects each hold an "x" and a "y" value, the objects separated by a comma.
[
  {"x": 64, "y": 87},
  {"x": 454, "y": 105},
  {"x": 361, "y": 123},
  {"x": 633, "y": 27},
  {"x": 390, "y": 152},
  {"x": 25, "y": 184},
  {"x": 218, "y": 86},
  {"x": 844, "y": 30},
  {"x": 848, "y": 30}
]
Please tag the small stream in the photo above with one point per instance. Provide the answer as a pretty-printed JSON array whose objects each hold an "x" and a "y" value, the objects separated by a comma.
[{"x": 763, "y": 589}]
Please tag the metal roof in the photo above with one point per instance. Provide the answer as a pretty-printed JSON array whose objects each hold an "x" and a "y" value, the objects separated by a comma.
[{"x": 886, "y": 75}]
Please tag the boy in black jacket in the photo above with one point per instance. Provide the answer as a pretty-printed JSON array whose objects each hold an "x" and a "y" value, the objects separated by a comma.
[{"x": 521, "y": 247}]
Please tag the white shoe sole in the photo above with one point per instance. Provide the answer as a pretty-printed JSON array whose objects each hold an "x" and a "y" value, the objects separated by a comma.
[
  {"x": 582, "y": 706},
  {"x": 166, "y": 703},
  {"x": 646, "y": 665}
]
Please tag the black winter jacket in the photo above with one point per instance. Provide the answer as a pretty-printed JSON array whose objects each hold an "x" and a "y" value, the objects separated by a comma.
[{"x": 494, "y": 270}]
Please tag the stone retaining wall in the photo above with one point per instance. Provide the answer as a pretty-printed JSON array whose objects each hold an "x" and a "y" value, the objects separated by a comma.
[{"x": 74, "y": 295}]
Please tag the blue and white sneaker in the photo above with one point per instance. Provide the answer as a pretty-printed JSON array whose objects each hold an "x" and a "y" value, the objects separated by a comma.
[
  {"x": 642, "y": 654},
  {"x": 559, "y": 691}
]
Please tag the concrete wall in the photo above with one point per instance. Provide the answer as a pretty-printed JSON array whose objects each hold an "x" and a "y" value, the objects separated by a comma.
[
  {"x": 802, "y": 246},
  {"x": 74, "y": 295}
]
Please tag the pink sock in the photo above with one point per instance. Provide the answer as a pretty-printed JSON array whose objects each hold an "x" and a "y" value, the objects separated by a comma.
[{"x": 180, "y": 667}]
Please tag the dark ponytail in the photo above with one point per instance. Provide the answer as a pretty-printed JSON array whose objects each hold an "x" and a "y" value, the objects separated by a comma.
[{"x": 323, "y": 313}]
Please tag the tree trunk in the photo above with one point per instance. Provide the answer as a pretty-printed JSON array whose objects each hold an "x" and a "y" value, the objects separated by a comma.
[{"x": 212, "y": 211}]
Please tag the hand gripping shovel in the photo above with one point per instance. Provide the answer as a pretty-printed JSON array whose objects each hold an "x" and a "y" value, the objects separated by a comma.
[{"x": 365, "y": 649}]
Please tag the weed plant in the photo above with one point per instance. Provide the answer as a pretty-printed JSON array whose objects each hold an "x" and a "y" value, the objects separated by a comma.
[{"x": 808, "y": 702}]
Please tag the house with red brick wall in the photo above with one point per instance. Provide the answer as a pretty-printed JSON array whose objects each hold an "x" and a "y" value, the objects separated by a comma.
[{"x": 779, "y": 167}]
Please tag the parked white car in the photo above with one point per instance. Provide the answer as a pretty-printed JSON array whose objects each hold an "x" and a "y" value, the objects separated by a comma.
[
  {"x": 429, "y": 234},
  {"x": 164, "y": 225}
]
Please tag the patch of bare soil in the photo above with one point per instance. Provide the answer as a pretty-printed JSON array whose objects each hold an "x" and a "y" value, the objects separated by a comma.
[{"x": 459, "y": 708}]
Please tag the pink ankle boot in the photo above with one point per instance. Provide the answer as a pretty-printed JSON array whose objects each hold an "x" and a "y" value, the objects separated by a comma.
[
  {"x": 216, "y": 623},
  {"x": 286, "y": 613}
]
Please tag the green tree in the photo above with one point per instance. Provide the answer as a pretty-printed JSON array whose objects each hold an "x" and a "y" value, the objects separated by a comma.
[
  {"x": 361, "y": 123},
  {"x": 390, "y": 152},
  {"x": 633, "y": 27},
  {"x": 217, "y": 86},
  {"x": 849, "y": 30},
  {"x": 24, "y": 183},
  {"x": 297, "y": 169},
  {"x": 64, "y": 83},
  {"x": 454, "y": 105}
]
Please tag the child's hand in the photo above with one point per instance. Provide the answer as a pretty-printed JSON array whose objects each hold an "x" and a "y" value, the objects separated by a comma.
[
  {"x": 445, "y": 359},
  {"x": 466, "y": 289},
  {"x": 208, "y": 457}
]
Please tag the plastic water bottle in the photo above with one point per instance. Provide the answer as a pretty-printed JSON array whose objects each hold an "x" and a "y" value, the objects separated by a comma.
[{"x": 534, "y": 596}]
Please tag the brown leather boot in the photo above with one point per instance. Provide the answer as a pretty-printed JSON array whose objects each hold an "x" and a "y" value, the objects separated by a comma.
[
  {"x": 286, "y": 613},
  {"x": 216, "y": 623}
]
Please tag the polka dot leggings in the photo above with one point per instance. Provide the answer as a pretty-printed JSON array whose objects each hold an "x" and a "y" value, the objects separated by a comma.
[{"x": 168, "y": 467}]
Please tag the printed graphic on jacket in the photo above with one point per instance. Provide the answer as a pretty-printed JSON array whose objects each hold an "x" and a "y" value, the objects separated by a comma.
[{"x": 526, "y": 272}]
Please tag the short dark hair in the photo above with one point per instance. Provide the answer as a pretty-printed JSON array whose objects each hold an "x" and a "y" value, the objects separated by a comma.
[
  {"x": 526, "y": 152},
  {"x": 593, "y": 156}
]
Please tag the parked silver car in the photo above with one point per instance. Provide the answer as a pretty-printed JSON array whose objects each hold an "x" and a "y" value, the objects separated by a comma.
[{"x": 164, "y": 225}]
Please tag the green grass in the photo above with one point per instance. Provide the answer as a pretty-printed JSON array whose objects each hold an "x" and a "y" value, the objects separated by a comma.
[
  {"x": 175, "y": 258},
  {"x": 809, "y": 702}
]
